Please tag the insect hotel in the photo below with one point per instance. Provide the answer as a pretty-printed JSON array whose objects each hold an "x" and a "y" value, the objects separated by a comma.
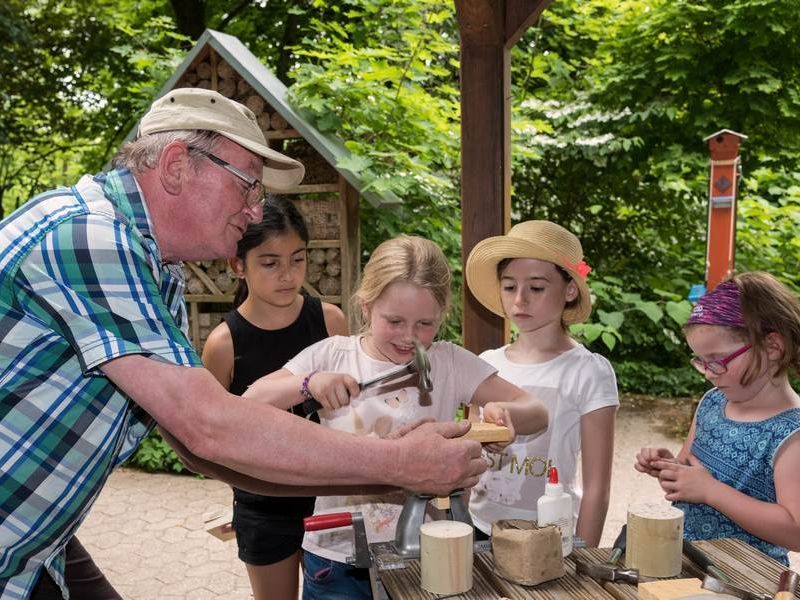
[{"x": 328, "y": 197}]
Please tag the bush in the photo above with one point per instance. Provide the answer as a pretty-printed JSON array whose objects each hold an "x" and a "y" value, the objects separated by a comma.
[
  {"x": 155, "y": 455},
  {"x": 653, "y": 380}
]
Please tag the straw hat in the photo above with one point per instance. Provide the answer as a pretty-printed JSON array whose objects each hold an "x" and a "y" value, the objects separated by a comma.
[
  {"x": 198, "y": 108},
  {"x": 541, "y": 240}
]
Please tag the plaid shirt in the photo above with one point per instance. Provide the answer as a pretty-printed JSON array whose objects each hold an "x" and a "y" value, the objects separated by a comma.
[{"x": 81, "y": 283}]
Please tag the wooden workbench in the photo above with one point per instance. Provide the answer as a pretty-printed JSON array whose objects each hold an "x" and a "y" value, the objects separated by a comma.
[{"x": 746, "y": 567}]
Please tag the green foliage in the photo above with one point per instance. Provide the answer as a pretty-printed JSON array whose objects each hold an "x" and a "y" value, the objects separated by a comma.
[
  {"x": 154, "y": 455},
  {"x": 630, "y": 326},
  {"x": 674, "y": 382},
  {"x": 384, "y": 81}
]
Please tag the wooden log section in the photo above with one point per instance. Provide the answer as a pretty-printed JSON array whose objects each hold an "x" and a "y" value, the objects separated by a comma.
[
  {"x": 655, "y": 539},
  {"x": 446, "y": 557}
]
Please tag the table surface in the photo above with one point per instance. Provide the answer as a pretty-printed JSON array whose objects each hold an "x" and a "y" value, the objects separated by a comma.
[{"x": 744, "y": 565}]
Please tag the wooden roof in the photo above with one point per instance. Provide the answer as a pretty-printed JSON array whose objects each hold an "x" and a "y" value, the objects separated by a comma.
[{"x": 263, "y": 81}]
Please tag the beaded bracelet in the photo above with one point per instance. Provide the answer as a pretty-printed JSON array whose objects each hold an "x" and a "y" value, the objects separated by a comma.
[{"x": 304, "y": 391}]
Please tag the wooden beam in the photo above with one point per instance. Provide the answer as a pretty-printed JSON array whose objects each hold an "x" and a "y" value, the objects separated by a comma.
[
  {"x": 480, "y": 22},
  {"x": 520, "y": 16},
  {"x": 488, "y": 30},
  {"x": 485, "y": 149}
]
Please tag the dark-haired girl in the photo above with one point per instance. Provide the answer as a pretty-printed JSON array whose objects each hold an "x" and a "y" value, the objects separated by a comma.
[{"x": 271, "y": 322}]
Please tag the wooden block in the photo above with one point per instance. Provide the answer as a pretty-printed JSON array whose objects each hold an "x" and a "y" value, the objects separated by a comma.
[
  {"x": 218, "y": 524},
  {"x": 487, "y": 433},
  {"x": 441, "y": 502},
  {"x": 670, "y": 589}
]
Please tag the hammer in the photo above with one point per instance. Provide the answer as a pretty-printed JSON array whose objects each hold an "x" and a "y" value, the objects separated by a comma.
[
  {"x": 609, "y": 571},
  {"x": 420, "y": 365}
]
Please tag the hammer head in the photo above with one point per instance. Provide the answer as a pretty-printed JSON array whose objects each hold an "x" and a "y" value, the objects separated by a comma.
[
  {"x": 606, "y": 572},
  {"x": 423, "y": 367}
]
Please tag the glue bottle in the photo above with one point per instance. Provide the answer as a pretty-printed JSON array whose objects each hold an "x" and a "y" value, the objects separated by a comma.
[{"x": 555, "y": 508}]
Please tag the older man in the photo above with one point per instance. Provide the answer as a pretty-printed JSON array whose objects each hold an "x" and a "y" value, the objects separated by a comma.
[{"x": 94, "y": 347}]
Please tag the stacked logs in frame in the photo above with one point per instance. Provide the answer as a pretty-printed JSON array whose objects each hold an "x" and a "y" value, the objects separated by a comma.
[
  {"x": 231, "y": 85},
  {"x": 324, "y": 271},
  {"x": 210, "y": 277}
]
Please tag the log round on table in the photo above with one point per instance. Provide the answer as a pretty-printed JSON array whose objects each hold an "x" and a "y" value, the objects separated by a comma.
[
  {"x": 654, "y": 539},
  {"x": 446, "y": 557}
]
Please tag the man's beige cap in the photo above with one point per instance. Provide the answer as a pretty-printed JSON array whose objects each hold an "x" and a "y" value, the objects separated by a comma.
[{"x": 197, "y": 108}]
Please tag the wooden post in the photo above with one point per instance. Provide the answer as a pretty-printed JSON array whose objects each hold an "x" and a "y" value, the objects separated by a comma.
[
  {"x": 489, "y": 29},
  {"x": 722, "y": 194}
]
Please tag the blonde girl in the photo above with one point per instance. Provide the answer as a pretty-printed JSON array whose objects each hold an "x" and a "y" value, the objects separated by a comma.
[
  {"x": 535, "y": 276},
  {"x": 403, "y": 297}
]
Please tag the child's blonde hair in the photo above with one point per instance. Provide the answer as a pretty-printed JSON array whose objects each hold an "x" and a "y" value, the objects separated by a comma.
[{"x": 409, "y": 259}]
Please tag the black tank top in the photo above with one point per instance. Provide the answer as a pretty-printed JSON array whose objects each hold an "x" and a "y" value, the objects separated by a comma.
[{"x": 258, "y": 352}]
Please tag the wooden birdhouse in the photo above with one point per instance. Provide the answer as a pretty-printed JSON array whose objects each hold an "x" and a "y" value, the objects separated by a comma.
[{"x": 328, "y": 197}]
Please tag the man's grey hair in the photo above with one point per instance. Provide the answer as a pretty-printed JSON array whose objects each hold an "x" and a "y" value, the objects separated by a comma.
[{"x": 143, "y": 153}]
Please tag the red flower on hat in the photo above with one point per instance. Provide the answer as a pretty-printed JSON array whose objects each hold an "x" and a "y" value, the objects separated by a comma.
[{"x": 581, "y": 268}]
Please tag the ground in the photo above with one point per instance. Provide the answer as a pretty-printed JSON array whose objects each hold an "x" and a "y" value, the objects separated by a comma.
[{"x": 146, "y": 530}]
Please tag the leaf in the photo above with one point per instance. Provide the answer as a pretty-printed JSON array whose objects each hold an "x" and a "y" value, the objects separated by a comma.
[
  {"x": 591, "y": 331},
  {"x": 652, "y": 310},
  {"x": 613, "y": 319},
  {"x": 609, "y": 340},
  {"x": 679, "y": 311},
  {"x": 354, "y": 163}
]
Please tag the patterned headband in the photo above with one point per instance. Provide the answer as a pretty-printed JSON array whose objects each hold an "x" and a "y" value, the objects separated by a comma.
[{"x": 720, "y": 306}]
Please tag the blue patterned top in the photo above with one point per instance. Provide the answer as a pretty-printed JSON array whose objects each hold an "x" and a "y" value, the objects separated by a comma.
[
  {"x": 741, "y": 455},
  {"x": 81, "y": 283}
]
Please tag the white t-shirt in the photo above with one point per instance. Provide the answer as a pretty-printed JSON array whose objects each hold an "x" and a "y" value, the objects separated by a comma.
[
  {"x": 455, "y": 373},
  {"x": 571, "y": 385}
]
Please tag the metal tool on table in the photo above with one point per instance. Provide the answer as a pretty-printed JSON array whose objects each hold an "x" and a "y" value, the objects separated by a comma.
[
  {"x": 420, "y": 365},
  {"x": 699, "y": 558},
  {"x": 380, "y": 556},
  {"x": 787, "y": 585},
  {"x": 713, "y": 584},
  {"x": 609, "y": 571}
]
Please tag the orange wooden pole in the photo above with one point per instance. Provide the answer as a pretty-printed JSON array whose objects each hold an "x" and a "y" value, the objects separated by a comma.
[{"x": 720, "y": 246}]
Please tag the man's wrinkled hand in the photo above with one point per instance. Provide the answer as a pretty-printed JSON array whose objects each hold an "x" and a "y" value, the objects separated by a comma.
[{"x": 435, "y": 461}]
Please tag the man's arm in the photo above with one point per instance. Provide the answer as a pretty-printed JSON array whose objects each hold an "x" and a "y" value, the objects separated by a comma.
[
  {"x": 259, "y": 486},
  {"x": 263, "y": 442}
]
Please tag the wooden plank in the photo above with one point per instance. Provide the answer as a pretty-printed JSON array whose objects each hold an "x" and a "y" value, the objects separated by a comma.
[
  {"x": 311, "y": 188},
  {"x": 744, "y": 565},
  {"x": 520, "y": 16},
  {"x": 486, "y": 433},
  {"x": 486, "y": 583},
  {"x": 281, "y": 134},
  {"x": 350, "y": 236}
]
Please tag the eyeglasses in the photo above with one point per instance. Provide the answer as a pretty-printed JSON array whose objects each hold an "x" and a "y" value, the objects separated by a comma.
[
  {"x": 717, "y": 367},
  {"x": 254, "y": 193}
]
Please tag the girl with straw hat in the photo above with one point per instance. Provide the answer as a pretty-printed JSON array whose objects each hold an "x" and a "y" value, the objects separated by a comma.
[{"x": 536, "y": 277}]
